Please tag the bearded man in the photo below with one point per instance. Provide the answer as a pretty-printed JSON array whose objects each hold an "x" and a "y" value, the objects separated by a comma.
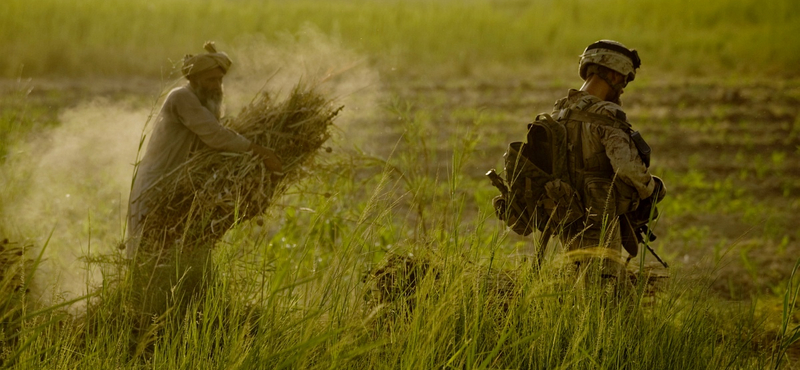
[{"x": 188, "y": 121}]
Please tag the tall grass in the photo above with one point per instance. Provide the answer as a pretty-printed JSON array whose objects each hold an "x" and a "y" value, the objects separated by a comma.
[
  {"x": 310, "y": 312},
  {"x": 291, "y": 292},
  {"x": 129, "y": 38},
  {"x": 296, "y": 297}
]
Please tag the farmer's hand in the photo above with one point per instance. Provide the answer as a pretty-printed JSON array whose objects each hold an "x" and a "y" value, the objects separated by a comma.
[{"x": 271, "y": 161}]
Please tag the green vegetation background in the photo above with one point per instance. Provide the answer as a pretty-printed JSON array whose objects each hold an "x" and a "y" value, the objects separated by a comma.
[
  {"x": 292, "y": 295},
  {"x": 131, "y": 38}
]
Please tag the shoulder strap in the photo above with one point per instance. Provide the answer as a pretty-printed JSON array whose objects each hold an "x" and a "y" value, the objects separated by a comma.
[
  {"x": 583, "y": 116},
  {"x": 576, "y": 114}
]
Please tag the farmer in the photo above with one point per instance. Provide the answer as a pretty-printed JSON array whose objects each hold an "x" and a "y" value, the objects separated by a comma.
[
  {"x": 164, "y": 274},
  {"x": 607, "y": 163},
  {"x": 188, "y": 121}
]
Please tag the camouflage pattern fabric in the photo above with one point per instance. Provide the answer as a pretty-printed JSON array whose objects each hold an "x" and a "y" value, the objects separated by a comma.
[
  {"x": 614, "y": 177},
  {"x": 612, "y": 59},
  {"x": 525, "y": 181}
]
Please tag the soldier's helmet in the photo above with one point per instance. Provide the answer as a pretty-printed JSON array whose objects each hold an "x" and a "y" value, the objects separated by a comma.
[{"x": 612, "y": 55}]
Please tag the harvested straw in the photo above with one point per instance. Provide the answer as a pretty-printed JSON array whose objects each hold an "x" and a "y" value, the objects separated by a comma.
[
  {"x": 200, "y": 200},
  {"x": 397, "y": 279}
]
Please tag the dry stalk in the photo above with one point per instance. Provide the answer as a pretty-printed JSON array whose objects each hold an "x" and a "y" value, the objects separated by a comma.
[{"x": 203, "y": 198}]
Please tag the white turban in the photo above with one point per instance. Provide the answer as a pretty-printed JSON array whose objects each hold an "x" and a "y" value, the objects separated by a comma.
[{"x": 193, "y": 64}]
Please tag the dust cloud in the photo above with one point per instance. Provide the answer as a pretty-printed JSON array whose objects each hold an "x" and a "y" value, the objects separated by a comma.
[
  {"x": 74, "y": 180},
  {"x": 315, "y": 59}
]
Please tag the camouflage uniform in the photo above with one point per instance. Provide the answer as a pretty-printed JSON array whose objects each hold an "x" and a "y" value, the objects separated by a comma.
[
  {"x": 583, "y": 172},
  {"x": 614, "y": 177}
]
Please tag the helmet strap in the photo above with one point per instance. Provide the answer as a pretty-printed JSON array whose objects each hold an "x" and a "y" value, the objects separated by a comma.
[{"x": 605, "y": 75}]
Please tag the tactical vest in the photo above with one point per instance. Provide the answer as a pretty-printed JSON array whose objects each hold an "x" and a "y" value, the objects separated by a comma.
[
  {"x": 549, "y": 178},
  {"x": 583, "y": 166}
]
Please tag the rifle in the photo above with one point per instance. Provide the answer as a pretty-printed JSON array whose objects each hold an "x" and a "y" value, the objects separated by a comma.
[
  {"x": 646, "y": 236},
  {"x": 497, "y": 181},
  {"x": 500, "y": 203},
  {"x": 634, "y": 234}
]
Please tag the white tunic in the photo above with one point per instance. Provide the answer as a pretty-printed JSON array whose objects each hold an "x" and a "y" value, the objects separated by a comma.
[{"x": 183, "y": 125}]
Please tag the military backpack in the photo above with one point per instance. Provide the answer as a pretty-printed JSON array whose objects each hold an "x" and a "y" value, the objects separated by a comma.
[{"x": 539, "y": 188}]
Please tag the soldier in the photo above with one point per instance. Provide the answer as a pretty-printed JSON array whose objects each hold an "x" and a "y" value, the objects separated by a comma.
[{"x": 606, "y": 164}]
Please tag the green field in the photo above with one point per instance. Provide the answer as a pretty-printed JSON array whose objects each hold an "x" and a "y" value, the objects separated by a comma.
[
  {"x": 682, "y": 37},
  {"x": 433, "y": 92}
]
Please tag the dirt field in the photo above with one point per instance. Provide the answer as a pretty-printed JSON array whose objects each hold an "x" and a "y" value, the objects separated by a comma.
[{"x": 729, "y": 153}]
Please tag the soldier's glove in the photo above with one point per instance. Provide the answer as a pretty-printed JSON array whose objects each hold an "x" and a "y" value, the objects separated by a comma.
[
  {"x": 647, "y": 207},
  {"x": 660, "y": 190},
  {"x": 499, "y": 204},
  {"x": 642, "y": 215}
]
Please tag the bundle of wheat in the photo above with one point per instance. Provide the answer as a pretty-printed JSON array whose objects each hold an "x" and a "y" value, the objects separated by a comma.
[
  {"x": 200, "y": 200},
  {"x": 397, "y": 279}
]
